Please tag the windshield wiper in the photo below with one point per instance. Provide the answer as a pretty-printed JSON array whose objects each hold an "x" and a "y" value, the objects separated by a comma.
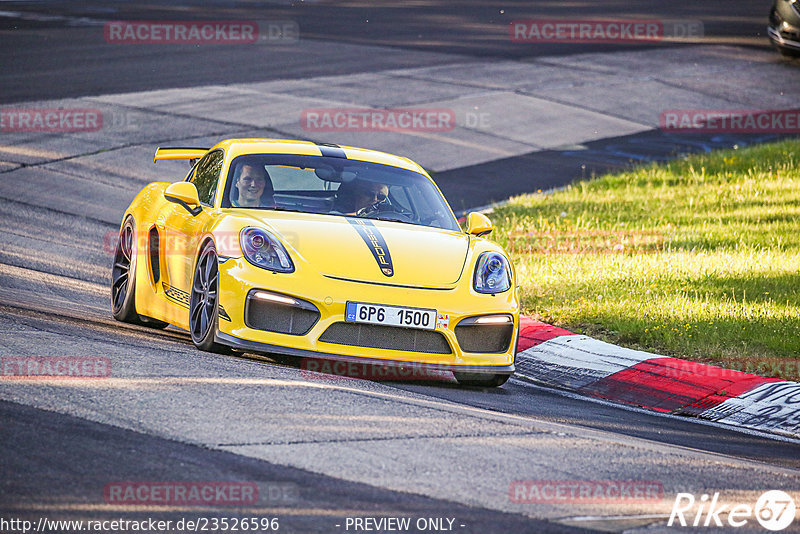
[{"x": 391, "y": 219}]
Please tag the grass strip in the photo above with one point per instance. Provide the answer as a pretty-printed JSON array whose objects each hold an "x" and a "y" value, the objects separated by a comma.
[{"x": 698, "y": 258}]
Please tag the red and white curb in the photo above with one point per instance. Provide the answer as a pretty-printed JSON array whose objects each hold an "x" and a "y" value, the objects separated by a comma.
[{"x": 559, "y": 358}]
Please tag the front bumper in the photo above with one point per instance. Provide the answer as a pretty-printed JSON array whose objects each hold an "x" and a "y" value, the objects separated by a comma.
[
  {"x": 784, "y": 25},
  {"x": 254, "y": 346},
  {"x": 329, "y": 296}
]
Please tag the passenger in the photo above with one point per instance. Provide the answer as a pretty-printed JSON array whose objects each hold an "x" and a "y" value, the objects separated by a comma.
[{"x": 253, "y": 188}]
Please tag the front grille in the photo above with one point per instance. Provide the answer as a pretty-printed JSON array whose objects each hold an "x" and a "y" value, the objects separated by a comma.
[
  {"x": 490, "y": 338},
  {"x": 280, "y": 318},
  {"x": 386, "y": 337}
]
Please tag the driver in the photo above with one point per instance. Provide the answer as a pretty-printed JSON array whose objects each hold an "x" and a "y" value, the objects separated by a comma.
[
  {"x": 371, "y": 193},
  {"x": 359, "y": 194}
]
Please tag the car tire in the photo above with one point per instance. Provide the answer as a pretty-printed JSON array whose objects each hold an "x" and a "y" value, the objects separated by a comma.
[
  {"x": 123, "y": 307},
  {"x": 481, "y": 380},
  {"x": 204, "y": 301},
  {"x": 123, "y": 280}
]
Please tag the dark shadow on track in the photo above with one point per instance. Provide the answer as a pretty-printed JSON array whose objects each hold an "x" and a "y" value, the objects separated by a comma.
[
  {"x": 58, "y": 466},
  {"x": 466, "y": 187}
]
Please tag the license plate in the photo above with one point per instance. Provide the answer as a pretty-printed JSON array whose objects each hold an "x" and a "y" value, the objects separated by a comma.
[{"x": 360, "y": 312}]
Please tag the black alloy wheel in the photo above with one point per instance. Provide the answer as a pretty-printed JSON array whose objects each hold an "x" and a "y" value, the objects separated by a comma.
[
  {"x": 122, "y": 283},
  {"x": 204, "y": 302}
]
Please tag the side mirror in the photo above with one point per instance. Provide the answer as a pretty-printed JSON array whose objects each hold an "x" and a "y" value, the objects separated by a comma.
[
  {"x": 478, "y": 224},
  {"x": 185, "y": 194}
]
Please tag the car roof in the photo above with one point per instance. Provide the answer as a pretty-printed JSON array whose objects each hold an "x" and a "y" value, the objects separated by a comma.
[{"x": 238, "y": 147}]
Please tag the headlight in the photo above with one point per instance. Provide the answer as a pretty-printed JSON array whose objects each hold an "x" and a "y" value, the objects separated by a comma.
[
  {"x": 263, "y": 249},
  {"x": 492, "y": 273}
]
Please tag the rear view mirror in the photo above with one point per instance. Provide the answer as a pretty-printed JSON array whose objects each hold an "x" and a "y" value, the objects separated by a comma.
[
  {"x": 325, "y": 172},
  {"x": 331, "y": 174}
]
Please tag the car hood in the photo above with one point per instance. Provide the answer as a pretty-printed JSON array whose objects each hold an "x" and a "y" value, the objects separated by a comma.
[{"x": 372, "y": 250}]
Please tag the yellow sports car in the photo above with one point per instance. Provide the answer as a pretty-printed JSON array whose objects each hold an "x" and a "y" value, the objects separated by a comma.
[{"x": 317, "y": 251}]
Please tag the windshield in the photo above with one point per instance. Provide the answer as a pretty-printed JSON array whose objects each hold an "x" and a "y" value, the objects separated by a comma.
[{"x": 335, "y": 186}]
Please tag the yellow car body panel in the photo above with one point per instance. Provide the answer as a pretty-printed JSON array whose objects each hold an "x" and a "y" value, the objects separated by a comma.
[{"x": 433, "y": 267}]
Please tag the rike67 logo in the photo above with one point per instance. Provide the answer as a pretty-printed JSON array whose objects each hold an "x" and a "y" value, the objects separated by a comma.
[{"x": 774, "y": 510}]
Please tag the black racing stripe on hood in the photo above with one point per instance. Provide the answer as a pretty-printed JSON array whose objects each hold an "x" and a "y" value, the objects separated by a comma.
[
  {"x": 376, "y": 243},
  {"x": 331, "y": 150}
]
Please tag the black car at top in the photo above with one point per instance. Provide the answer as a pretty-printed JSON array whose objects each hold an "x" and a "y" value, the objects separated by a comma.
[{"x": 784, "y": 26}]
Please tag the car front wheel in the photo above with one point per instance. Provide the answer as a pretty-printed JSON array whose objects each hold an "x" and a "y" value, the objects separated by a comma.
[{"x": 204, "y": 302}]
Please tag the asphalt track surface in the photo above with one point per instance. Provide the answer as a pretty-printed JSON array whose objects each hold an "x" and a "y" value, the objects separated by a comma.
[
  {"x": 57, "y": 53},
  {"x": 334, "y": 448}
]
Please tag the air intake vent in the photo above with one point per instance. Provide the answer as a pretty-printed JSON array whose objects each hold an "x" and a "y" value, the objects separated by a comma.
[
  {"x": 484, "y": 338},
  {"x": 280, "y": 317},
  {"x": 386, "y": 337}
]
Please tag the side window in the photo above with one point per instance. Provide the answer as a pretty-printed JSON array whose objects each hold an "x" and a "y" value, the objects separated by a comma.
[{"x": 206, "y": 176}]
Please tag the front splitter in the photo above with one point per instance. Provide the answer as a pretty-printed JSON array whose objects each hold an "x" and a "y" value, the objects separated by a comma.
[{"x": 255, "y": 346}]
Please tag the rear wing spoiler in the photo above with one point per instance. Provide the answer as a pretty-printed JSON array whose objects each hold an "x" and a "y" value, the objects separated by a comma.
[{"x": 190, "y": 153}]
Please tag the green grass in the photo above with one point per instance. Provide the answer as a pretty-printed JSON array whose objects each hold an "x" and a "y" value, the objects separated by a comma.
[{"x": 698, "y": 258}]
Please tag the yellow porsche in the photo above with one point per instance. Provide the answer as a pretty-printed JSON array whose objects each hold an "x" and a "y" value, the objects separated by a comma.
[{"x": 317, "y": 251}]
